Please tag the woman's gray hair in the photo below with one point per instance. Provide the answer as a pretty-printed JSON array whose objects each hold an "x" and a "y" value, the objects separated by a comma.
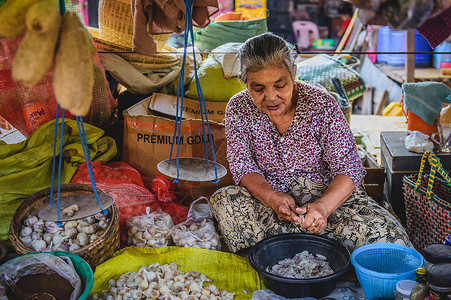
[{"x": 262, "y": 51}]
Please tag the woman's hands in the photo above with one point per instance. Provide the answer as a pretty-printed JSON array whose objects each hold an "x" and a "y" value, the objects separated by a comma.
[
  {"x": 285, "y": 207},
  {"x": 315, "y": 219}
]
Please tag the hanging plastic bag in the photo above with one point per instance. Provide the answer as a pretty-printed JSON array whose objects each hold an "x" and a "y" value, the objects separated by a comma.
[
  {"x": 150, "y": 230},
  {"x": 42, "y": 263},
  {"x": 418, "y": 142},
  {"x": 198, "y": 231}
]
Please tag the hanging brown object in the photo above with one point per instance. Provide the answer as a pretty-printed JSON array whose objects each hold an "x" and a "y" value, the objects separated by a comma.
[
  {"x": 37, "y": 49},
  {"x": 12, "y": 17},
  {"x": 73, "y": 76}
]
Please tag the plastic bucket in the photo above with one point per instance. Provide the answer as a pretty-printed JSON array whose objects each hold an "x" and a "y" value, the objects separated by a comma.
[
  {"x": 395, "y": 41},
  {"x": 81, "y": 267},
  {"x": 416, "y": 123},
  {"x": 383, "y": 44}
]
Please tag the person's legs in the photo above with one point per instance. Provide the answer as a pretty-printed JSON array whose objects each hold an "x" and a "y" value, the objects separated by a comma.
[
  {"x": 243, "y": 220},
  {"x": 360, "y": 221}
]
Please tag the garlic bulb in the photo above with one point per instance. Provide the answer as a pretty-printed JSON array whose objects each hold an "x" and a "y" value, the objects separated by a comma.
[
  {"x": 38, "y": 226},
  {"x": 47, "y": 237},
  {"x": 30, "y": 221},
  {"x": 53, "y": 228},
  {"x": 161, "y": 282},
  {"x": 70, "y": 232},
  {"x": 73, "y": 247},
  {"x": 38, "y": 245},
  {"x": 26, "y": 231},
  {"x": 90, "y": 229},
  {"x": 149, "y": 230},
  {"x": 196, "y": 235},
  {"x": 70, "y": 224},
  {"x": 36, "y": 235},
  {"x": 82, "y": 239},
  {"x": 64, "y": 237},
  {"x": 26, "y": 240}
]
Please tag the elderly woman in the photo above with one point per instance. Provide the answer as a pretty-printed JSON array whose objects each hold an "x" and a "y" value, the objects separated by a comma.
[{"x": 294, "y": 160}]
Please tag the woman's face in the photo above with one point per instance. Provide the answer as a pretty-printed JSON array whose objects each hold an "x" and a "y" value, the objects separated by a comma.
[{"x": 272, "y": 90}]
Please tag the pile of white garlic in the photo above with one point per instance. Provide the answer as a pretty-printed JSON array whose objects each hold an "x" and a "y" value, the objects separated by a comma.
[
  {"x": 196, "y": 235},
  {"x": 45, "y": 236},
  {"x": 161, "y": 282},
  {"x": 150, "y": 230}
]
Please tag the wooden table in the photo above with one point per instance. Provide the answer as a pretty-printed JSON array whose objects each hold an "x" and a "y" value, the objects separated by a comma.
[{"x": 370, "y": 126}]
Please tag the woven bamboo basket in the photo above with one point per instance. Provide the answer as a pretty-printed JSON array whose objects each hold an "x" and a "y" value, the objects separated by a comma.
[
  {"x": 116, "y": 24},
  {"x": 94, "y": 253}
]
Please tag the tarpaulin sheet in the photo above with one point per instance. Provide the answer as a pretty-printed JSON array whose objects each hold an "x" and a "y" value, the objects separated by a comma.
[
  {"x": 26, "y": 167},
  {"x": 227, "y": 271}
]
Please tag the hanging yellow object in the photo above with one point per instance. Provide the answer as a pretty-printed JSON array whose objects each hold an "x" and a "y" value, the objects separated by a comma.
[
  {"x": 226, "y": 270},
  {"x": 393, "y": 109}
]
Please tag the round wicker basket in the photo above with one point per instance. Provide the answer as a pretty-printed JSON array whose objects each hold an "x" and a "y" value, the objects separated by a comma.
[
  {"x": 116, "y": 24},
  {"x": 94, "y": 253}
]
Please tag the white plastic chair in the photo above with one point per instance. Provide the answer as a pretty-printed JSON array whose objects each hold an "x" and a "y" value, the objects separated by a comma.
[{"x": 303, "y": 30}]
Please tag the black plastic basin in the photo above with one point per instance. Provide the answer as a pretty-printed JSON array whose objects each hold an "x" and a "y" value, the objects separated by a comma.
[{"x": 270, "y": 251}]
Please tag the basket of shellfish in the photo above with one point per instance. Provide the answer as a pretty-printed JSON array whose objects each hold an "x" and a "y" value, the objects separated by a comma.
[{"x": 94, "y": 237}]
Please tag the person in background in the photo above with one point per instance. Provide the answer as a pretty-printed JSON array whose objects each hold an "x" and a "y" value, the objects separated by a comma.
[
  {"x": 294, "y": 160},
  {"x": 346, "y": 11}
]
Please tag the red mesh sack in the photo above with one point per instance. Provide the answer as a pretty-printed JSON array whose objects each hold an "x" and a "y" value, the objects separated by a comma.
[
  {"x": 125, "y": 185},
  {"x": 27, "y": 108}
]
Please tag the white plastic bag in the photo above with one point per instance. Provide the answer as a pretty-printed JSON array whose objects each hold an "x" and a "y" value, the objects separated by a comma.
[
  {"x": 198, "y": 231},
  {"x": 42, "y": 263},
  {"x": 418, "y": 142},
  {"x": 150, "y": 230}
]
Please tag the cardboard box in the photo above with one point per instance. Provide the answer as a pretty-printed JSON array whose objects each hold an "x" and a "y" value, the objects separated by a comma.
[
  {"x": 148, "y": 139},
  {"x": 167, "y": 105}
]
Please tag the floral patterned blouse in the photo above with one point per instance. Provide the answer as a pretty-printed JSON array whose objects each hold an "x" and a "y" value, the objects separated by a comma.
[{"x": 318, "y": 144}]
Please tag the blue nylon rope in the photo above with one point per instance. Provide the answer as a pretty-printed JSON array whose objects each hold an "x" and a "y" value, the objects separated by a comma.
[
  {"x": 180, "y": 94},
  {"x": 180, "y": 97},
  {"x": 84, "y": 143},
  {"x": 60, "y": 163},
  {"x": 62, "y": 7},
  {"x": 55, "y": 137},
  {"x": 203, "y": 108}
]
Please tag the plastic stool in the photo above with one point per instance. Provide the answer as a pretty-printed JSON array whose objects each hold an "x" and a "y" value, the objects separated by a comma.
[{"x": 302, "y": 31}]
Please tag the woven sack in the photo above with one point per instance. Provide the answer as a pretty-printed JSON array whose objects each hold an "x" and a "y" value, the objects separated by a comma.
[
  {"x": 428, "y": 204},
  {"x": 320, "y": 69}
]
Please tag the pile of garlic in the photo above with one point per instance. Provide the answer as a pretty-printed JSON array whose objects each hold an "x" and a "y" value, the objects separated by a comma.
[
  {"x": 45, "y": 236},
  {"x": 196, "y": 235},
  {"x": 161, "y": 282},
  {"x": 150, "y": 230}
]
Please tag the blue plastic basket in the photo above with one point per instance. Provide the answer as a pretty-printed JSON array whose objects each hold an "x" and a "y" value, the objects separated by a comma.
[{"x": 380, "y": 266}]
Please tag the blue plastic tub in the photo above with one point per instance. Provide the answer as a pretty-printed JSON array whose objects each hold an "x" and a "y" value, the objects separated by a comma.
[
  {"x": 395, "y": 41},
  {"x": 380, "y": 266}
]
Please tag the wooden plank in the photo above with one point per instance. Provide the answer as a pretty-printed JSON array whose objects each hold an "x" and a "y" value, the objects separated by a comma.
[
  {"x": 367, "y": 102},
  {"x": 410, "y": 58},
  {"x": 348, "y": 31},
  {"x": 380, "y": 99}
]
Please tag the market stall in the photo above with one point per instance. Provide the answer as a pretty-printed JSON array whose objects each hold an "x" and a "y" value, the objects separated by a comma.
[{"x": 119, "y": 178}]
